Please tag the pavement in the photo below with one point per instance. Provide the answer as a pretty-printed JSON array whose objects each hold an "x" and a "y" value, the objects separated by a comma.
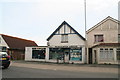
[{"x": 67, "y": 67}]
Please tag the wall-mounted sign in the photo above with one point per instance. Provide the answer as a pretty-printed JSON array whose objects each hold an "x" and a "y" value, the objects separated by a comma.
[{"x": 66, "y": 46}]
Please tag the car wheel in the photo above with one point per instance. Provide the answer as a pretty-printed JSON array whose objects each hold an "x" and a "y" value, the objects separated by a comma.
[{"x": 6, "y": 66}]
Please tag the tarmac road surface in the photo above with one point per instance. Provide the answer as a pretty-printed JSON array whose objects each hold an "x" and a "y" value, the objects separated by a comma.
[
  {"x": 31, "y": 70},
  {"x": 23, "y": 72}
]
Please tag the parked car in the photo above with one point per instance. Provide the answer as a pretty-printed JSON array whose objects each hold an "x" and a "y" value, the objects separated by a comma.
[{"x": 4, "y": 60}]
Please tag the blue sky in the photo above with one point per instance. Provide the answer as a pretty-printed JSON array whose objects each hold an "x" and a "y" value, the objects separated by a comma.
[{"x": 37, "y": 19}]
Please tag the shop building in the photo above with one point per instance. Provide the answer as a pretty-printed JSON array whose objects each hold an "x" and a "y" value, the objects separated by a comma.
[
  {"x": 39, "y": 53},
  {"x": 66, "y": 45},
  {"x": 103, "y": 46}
]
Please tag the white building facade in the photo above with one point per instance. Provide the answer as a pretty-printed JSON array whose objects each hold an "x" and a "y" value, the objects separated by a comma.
[{"x": 65, "y": 45}]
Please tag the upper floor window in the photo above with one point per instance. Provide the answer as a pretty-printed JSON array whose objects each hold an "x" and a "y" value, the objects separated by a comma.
[
  {"x": 64, "y": 38},
  {"x": 99, "y": 38},
  {"x": 118, "y": 37}
]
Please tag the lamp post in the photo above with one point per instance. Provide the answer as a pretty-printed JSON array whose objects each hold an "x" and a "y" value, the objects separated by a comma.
[
  {"x": 85, "y": 16},
  {"x": 86, "y": 54}
]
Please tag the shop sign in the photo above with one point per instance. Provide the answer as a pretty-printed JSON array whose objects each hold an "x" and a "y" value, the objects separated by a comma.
[{"x": 66, "y": 46}]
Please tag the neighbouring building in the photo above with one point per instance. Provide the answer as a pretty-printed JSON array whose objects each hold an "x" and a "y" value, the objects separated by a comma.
[
  {"x": 15, "y": 46},
  {"x": 66, "y": 45},
  {"x": 103, "y": 46}
]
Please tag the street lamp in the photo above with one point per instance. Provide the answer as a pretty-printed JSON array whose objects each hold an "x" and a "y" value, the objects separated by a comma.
[{"x": 86, "y": 55}]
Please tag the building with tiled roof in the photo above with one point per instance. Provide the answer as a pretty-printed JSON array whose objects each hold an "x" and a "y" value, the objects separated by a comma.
[{"x": 16, "y": 46}]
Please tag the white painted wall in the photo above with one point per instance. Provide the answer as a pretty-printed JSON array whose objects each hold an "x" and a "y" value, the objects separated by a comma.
[
  {"x": 83, "y": 55},
  {"x": 47, "y": 54},
  {"x": 67, "y": 29},
  {"x": 62, "y": 30},
  {"x": 73, "y": 40},
  {"x": 28, "y": 54},
  {"x": 2, "y": 42}
]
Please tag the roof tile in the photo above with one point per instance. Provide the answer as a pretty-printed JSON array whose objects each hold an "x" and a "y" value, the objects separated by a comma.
[{"x": 17, "y": 43}]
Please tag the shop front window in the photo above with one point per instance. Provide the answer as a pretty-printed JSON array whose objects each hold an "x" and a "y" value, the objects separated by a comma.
[
  {"x": 65, "y": 53},
  {"x": 56, "y": 53},
  {"x": 106, "y": 54},
  {"x": 110, "y": 54},
  {"x": 102, "y": 53},
  {"x": 76, "y": 54},
  {"x": 118, "y": 53},
  {"x": 38, "y": 53}
]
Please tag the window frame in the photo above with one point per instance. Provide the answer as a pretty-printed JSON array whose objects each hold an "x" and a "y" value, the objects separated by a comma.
[
  {"x": 118, "y": 54},
  {"x": 96, "y": 38},
  {"x": 106, "y": 54},
  {"x": 118, "y": 37},
  {"x": 64, "y": 38},
  {"x": 38, "y": 53}
]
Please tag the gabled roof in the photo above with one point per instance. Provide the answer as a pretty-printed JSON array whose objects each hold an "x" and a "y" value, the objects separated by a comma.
[
  {"x": 108, "y": 18},
  {"x": 17, "y": 43},
  {"x": 63, "y": 23}
]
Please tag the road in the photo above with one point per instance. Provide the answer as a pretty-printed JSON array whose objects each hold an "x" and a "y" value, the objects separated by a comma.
[
  {"x": 22, "y": 72},
  {"x": 17, "y": 71}
]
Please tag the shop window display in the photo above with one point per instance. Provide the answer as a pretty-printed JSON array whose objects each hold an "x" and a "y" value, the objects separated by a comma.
[
  {"x": 38, "y": 53},
  {"x": 56, "y": 53},
  {"x": 76, "y": 54}
]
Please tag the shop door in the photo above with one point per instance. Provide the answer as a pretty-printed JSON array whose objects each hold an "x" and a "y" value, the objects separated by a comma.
[
  {"x": 66, "y": 57},
  {"x": 90, "y": 55},
  {"x": 95, "y": 56}
]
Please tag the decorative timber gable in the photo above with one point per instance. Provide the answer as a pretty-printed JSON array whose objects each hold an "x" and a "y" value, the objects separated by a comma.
[{"x": 64, "y": 28}]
